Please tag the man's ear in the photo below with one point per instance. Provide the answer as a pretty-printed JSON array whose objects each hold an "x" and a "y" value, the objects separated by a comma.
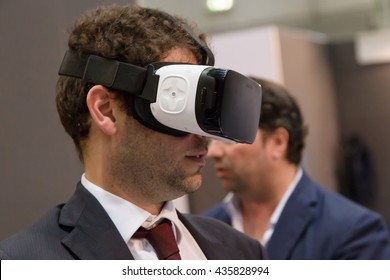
[
  {"x": 280, "y": 142},
  {"x": 100, "y": 105}
]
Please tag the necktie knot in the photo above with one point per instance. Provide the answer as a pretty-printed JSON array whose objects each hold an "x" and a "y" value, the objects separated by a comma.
[{"x": 162, "y": 239}]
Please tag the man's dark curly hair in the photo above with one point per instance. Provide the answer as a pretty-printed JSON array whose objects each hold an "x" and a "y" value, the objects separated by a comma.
[
  {"x": 279, "y": 109},
  {"x": 130, "y": 34}
]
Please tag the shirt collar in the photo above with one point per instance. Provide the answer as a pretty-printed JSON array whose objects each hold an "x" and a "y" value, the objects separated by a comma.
[{"x": 126, "y": 216}]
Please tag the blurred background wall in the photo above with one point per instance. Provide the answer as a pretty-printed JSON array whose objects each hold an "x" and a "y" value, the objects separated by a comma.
[{"x": 332, "y": 55}]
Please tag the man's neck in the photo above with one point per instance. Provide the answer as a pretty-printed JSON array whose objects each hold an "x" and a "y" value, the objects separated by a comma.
[
  {"x": 255, "y": 217},
  {"x": 257, "y": 209},
  {"x": 128, "y": 193}
]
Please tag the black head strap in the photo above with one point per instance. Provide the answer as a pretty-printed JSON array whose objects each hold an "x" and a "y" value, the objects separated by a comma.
[
  {"x": 109, "y": 73},
  {"x": 208, "y": 56}
]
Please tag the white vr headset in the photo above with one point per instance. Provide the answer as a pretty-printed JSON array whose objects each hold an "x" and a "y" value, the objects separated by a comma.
[{"x": 178, "y": 99}]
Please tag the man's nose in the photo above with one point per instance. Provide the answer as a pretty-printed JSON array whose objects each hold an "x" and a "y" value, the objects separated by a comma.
[
  {"x": 202, "y": 139},
  {"x": 216, "y": 149}
]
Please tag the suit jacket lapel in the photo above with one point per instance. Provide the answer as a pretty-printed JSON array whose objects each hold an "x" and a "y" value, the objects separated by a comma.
[
  {"x": 293, "y": 221},
  {"x": 92, "y": 234}
]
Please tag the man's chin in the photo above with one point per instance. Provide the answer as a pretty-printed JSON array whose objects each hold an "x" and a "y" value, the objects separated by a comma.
[
  {"x": 228, "y": 187},
  {"x": 193, "y": 183}
]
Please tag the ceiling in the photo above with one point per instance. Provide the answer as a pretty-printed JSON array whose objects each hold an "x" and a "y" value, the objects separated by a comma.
[{"x": 339, "y": 19}]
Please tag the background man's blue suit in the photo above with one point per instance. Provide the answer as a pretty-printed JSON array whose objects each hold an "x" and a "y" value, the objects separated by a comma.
[{"x": 320, "y": 224}]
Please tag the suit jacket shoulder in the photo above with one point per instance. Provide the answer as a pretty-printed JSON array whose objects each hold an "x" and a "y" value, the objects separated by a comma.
[
  {"x": 78, "y": 229},
  {"x": 317, "y": 223},
  {"x": 42, "y": 240}
]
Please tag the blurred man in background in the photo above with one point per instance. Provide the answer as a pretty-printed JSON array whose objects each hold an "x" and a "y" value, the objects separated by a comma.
[{"x": 273, "y": 200}]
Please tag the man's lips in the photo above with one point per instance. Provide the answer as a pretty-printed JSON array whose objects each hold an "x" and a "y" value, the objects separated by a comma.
[
  {"x": 220, "y": 172},
  {"x": 199, "y": 157}
]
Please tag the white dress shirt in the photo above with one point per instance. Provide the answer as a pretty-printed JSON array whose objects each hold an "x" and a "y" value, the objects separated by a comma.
[
  {"x": 128, "y": 217},
  {"x": 232, "y": 205}
]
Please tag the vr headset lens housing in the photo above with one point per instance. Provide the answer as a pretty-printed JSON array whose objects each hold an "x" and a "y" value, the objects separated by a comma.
[
  {"x": 178, "y": 99},
  {"x": 240, "y": 108}
]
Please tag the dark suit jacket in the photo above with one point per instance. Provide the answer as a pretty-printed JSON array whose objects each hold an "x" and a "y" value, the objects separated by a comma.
[
  {"x": 81, "y": 229},
  {"x": 320, "y": 224}
]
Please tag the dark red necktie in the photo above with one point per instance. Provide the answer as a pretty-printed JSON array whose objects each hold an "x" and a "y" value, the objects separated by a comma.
[{"x": 162, "y": 239}]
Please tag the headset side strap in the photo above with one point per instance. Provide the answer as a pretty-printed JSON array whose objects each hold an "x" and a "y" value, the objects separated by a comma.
[{"x": 107, "y": 72}]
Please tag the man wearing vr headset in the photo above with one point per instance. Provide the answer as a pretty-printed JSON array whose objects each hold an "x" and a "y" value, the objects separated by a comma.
[
  {"x": 134, "y": 163},
  {"x": 272, "y": 199}
]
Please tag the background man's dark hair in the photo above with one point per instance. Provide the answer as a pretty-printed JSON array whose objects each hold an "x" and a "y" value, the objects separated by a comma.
[{"x": 279, "y": 109}]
